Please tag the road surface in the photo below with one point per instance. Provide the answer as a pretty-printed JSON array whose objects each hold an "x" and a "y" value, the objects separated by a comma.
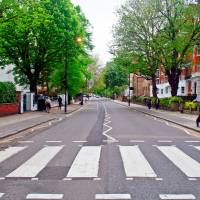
[{"x": 104, "y": 151}]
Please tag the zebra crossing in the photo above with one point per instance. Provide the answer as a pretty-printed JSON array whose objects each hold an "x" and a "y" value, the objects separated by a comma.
[
  {"x": 87, "y": 162},
  {"x": 43, "y": 196}
]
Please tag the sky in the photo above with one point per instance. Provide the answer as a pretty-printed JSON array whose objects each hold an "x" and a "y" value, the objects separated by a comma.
[{"x": 102, "y": 16}]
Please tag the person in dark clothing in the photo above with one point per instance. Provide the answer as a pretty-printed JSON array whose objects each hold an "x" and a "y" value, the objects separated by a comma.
[
  {"x": 157, "y": 103},
  {"x": 59, "y": 102},
  {"x": 198, "y": 120},
  {"x": 149, "y": 104}
]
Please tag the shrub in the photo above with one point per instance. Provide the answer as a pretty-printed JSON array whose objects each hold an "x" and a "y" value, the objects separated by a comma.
[
  {"x": 140, "y": 99},
  {"x": 175, "y": 99},
  {"x": 7, "y": 92},
  {"x": 188, "y": 105},
  {"x": 164, "y": 102}
]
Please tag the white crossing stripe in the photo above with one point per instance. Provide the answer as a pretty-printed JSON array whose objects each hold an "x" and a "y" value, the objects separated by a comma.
[
  {"x": 45, "y": 196},
  {"x": 1, "y": 195},
  {"x": 195, "y": 141},
  {"x": 36, "y": 163},
  {"x": 197, "y": 147},
  {"x": 112, "y": 196},
  {"x": 7, "y": 153},
  {"x": 135, "y": 164},
  {"x": 86, "y": 163},
  {"x": 185, "y": 163},
  {"x": 177, "y": 196}
]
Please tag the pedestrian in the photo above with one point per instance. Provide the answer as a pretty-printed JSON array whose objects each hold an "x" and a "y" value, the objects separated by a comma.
[
  {"x": 59, "y": 102},
  {"x": 149, "y": 104},
  {"x": 145, "y": 101},
  {"x": 48, "y": 105},
  {"x": 198, "y": 120},
  {"x": 157, "y": 103}
]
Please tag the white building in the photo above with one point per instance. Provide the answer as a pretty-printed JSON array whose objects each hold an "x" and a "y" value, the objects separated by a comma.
[{"x": 6, "y": 75}]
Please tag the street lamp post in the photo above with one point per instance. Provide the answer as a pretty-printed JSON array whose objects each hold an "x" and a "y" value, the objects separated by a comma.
[
  {"x": 65, "y": 83},
  {"x": 79, "y": 40}
]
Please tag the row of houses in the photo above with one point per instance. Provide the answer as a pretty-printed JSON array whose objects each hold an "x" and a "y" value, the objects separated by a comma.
[{"x": 189, "y": 82}]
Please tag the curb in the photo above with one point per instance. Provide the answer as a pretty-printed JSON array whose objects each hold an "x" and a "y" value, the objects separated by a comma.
[
  {"x": 25, "y": 129},
  {"x": 38, "y": 124},
  {"x": 163, "y": 118}
]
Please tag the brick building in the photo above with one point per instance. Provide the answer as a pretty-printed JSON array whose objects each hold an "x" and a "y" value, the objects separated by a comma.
[{"x": 189, "y": 81}]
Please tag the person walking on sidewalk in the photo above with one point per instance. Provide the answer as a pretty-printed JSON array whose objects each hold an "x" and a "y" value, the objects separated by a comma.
[
  {"x": 157, "y": 103},
  {"x": 48, "y": 104},
  {"x": 59, "y": 102},
  {"x": 198, "y": 120},
  {"x": 149, "y": 104}
]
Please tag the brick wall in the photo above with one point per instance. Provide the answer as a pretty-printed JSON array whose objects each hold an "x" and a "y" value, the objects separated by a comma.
[{"x": 8, "y": 109}]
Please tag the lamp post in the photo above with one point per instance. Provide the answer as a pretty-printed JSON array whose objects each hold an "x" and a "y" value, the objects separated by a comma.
[
  {"x": 129, "y": 89},
  {"x": 65, "y": 83},
  {"x": 79, "y": 40}
]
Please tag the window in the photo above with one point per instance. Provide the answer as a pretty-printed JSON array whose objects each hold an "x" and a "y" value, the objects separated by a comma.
[
  {"x": 157, "y": 91},
  {"x": 161, "y": 91},
  {"x": 182, "y": 90},
  {"x": 166, "y": 90}
]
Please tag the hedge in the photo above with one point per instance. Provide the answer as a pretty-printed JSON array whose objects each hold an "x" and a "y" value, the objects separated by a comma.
[{"x": 7, "y": 92}]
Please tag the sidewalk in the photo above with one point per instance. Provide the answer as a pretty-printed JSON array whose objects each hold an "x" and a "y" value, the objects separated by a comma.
[
  {"x": 13, "y": 124},
  {"x": 184, "y": 120}
]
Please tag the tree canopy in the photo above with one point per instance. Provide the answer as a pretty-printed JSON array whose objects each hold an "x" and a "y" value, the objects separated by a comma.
[
  {"x": 37, "y": 36},
  {"x": 157, "y": 33}
]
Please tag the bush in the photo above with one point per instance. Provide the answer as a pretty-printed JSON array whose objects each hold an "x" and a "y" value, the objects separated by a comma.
[
  {"x": 175, "y": 99},
  {"x": 140, "y": 99},
  {"x": 7, "y": 92},
  {"x": 188, "y": 105},
  {"x": 164, "y": 102}
]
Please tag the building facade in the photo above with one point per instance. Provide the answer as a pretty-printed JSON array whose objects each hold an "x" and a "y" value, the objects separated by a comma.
[{"x": 189, "y": 81}]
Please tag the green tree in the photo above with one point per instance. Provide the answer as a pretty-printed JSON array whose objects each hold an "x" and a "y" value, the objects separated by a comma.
[
  {"x": 137, "y": 25},
  {"x": 40, "y": 37},
  {"x": 115, "y": 77},
  {"x": 179, "y": 34}
]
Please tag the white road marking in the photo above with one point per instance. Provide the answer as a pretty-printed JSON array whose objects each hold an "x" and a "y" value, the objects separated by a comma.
[
  {"x": 106, "y": 122},
  {"x": 197, "y": 147},
  {"x": 67, "y": 179},
  {"x": 86, "y": 163},
  {"x": 137, "y": 141},
  {"x": 186, "y": 131},
  {"x": 112, "y": 196},
  {"x": 164, "y": 141},
  {"x": 167, "y": 123},
  {"x": 129, "y": 179},
  {"x": 7, "y": 153},
  {"x": 195, "y": 141},
  {"x": 45, "y": 196},
  {"x": 192, "y": 179},
  {"x": 135, "y": 164},
  {"x": 1, "y": 195},
  {"x": 2, "y": 178},
  {"x": 177, "y": 196},
  {"x": 96, "y": 179},
  {"x": 56, "y": 141},
  {"x": 159, "y": 179},
  {"x": 35, "y": 179},
  {"x": 35, "y": 164},
  {"x": 186, "y": 164},
  {"x": 83, "y": 141},
  {"x": 22, "y": 142}
]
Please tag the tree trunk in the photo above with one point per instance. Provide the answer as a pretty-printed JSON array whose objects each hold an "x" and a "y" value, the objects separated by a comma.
[
  {"x": 173, "y": 79},
  {"x": 154, "y": 87},
  {"x": 33, "y": 87}
]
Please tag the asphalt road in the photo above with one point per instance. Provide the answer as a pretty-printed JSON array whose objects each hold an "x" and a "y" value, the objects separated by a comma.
[{"x": 105, "y": 151}]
